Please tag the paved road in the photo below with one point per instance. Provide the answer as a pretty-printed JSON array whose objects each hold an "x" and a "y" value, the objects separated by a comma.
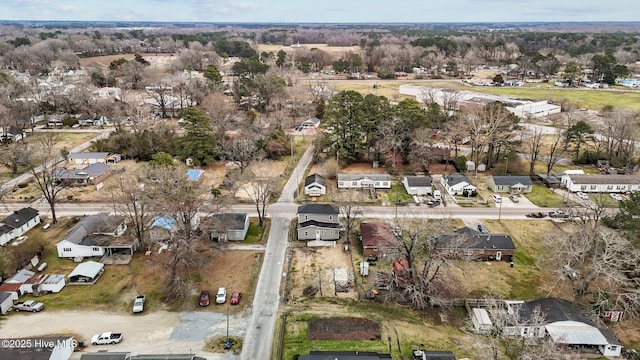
[{"x": 258, "y": 341}]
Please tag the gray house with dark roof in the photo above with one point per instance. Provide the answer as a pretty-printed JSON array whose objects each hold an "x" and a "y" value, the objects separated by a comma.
[
  {"x": 97, "y": 235},
  {"x": 510, "y": 184},
  {"x": 18, "y": 223},
  {"x": 344, "y": 355},
  {"x": 90, "y": 175},
  {"x": 471, "y": 244},
  {"x": 315, "y": 185},
  {"x": 318, "y": 222},
  {"x": 229, "y": 226},
  {"x": 418, "y": 185}
]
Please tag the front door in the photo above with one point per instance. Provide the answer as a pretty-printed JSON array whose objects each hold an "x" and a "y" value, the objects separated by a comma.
[{"x": 318, "y": 235}]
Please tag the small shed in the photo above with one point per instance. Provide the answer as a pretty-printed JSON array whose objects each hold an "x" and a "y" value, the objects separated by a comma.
[
  {"x": 471, "y": 166},
  {"x": 87, "y": 272},
  {"x": 481, "y": 321},
  {"x": 6, "y": 301}
]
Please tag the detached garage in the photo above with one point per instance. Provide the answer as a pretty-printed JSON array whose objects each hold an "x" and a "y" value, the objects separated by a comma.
[{"x": 86, "y": 273}]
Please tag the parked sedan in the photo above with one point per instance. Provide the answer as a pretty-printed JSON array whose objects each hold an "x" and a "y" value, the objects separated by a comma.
[
  {"x": 616, "y": 197},
  {"x": 204, "y": 298},
  {"x": 582, "y": 195},
  {"x": 235, "y": 298},
  {"x": 221, "y": 296},
  {"x": 514, "y": 198}
]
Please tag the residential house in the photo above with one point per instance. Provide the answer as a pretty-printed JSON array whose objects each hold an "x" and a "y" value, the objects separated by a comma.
[
  {"x": 166, "y": 357},
  {"x": 39, "y": 348},
  {"x": 433, "y": 355},
  {"x": 569, "y": 324},
  {"x": 344, "y": 355},
  {"x": 97, "y": 235},
  {"x": 458, "y": 184},
  {"x": 91, "y": 175},
  {"x": 318, "y": 222},
  {"x": 470, "y": 244},
  {"x": 602, "y": 183},
  {"x": 163, "y": 228},
  {"x": 510, "y": 184},
  {"x": 195, "y": 174},
  {"x": 18, "y": 223},
  {"x": 310, "y": 123},
  {"x": 6, "y": 301},
  {"x": 229, "y": 226},
  {"x": 85, "y": 158},
  {"x": 418, "y": 185},
  {"x": 87, "y": 272},
  {"x": 12, "y": 134},
  {"x": 378, "y": 239},
  {"x": 360, "y": 181},
  {"x": 93, "y": 120},
  {"x": 315, "y": 185}
]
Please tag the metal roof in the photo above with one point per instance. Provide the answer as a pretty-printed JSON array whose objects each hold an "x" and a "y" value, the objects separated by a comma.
[
  {"x": 327, "y": 209},
  {"x": 418, "y": 181},
  {"x": 88, "y": 155},
  {"x": 88, "y": 269},
  {"x": 605, "y": 179},
  {"x": 356, "y": 177},
  {"x": 315, "y": 178},
  {"x": 511, "y": 180}
]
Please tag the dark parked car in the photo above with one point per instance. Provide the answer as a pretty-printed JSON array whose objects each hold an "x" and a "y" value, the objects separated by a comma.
[
  {"x": 235, "y": 298},
  {"x": 204, "y": 298},
  {"x": 536, "y": 215}
]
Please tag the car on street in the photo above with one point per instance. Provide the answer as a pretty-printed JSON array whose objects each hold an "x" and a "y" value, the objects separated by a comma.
[
  {"x": 204, "y": 298},
  {"x": 558, "y": 214},
  {"x": 514, "y": 199},
  {"x": 496, "y": 198},
  {"x": 582, "y": 195},
  {"x": 616, "y": 197},
  {"x": 536, "y": 215},
  {"x": 483, "y": 229},
  {"x": 235, "y": 298},
  {"x": 221, "y": 296}
]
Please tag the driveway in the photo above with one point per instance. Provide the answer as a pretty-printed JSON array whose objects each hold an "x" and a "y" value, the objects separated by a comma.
[{"x": 152, "y": 333}]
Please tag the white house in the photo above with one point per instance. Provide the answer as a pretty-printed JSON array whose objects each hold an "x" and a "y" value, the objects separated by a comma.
[
  {"x": 359, "y": 181},
  {"x": 96, "y": 235},
  {"x": 602, "y": 183},
  {"x": 418, "y": 185},
  {"x": 457, "y": 184},
  {"x": 18, "y": 223},
  {"x": 85, "y": 158},
  {"x": 315, "y": 185},
  {"x": 310, "y": 123}
]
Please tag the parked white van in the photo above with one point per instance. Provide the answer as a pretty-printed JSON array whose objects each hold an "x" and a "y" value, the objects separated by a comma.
[{"x": 496, "y": 198}]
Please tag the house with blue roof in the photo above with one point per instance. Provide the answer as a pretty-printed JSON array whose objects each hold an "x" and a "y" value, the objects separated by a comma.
[
  {"x": 163, "y": 228},
  {"x": 194, "y": 174}
]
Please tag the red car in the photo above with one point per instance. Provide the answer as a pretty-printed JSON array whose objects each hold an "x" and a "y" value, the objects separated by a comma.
[
  {"x": 235, "y": 298},
  {"x": 204, "y": 298}
]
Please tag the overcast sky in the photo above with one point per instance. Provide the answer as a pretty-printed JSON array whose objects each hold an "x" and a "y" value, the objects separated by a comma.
[{"x": 345, "y": 11}]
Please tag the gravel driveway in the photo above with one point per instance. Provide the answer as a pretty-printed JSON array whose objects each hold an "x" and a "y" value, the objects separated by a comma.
[{"x": 151, "y": 333}]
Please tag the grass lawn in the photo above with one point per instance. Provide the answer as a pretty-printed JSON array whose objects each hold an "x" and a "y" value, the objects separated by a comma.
[
  {"x": 256, "y": 234},
  {"x": 544, "y": 197},
  {"x": 397, "y": 192}
]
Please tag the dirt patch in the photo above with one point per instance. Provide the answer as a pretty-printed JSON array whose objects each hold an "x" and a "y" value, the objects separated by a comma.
[
  {"x": 343, "y": 329},
  {"x": 159, "y": 60},
  {"x": 313, "y": 267}
]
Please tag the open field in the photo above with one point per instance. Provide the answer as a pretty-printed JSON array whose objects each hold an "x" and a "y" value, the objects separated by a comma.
[
  {"x": 333, "y": 50},
  {"x": 159, "y": 60}
]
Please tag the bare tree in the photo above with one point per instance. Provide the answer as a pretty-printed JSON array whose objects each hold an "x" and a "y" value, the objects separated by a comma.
[
  {"x": 393, "y": 138},
  {"x": 15, "y": 155},
  {"x": 260, "y": 188},
  {"x": 533, "y": 144},
  {"x": 173, "y": 195},
  {"x": 243, "y": 151},
  {"x": 45, "y": 166},
  {"x": 602, "y": 267},
  {"x": 555, "y": 151},
  {"x": 130, "y": 198},
  {"x": 348, "y": 202}
]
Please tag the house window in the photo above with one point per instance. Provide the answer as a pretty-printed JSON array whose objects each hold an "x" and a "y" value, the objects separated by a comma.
[
  {"x": 525, "y": 331},
  {"x": 385, "y": 183},
  {"x": 306, "y": 217},
  {"x": 330, "y": 217},
  {"x": 354, "y": 183},
  {"x": 500, "y": 187},
  {"x": 324, "y": 231},
  {"x": 340, "y": 183},
  {"x": 95, "y": 249},
  {"x": 613, "y": 348},
  {"x": 306, "y": 233},
  {"x": 66, "y": 249},
  {"x": 583, "y": 187},
  {"x": 609, "y": 187}
]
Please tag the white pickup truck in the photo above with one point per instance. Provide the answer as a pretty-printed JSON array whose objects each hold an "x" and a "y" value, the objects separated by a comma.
[
  {"x": 138, "y": 304},
  {"x": 106, "y": 338},
  {"x": 28, "y": 305}
]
